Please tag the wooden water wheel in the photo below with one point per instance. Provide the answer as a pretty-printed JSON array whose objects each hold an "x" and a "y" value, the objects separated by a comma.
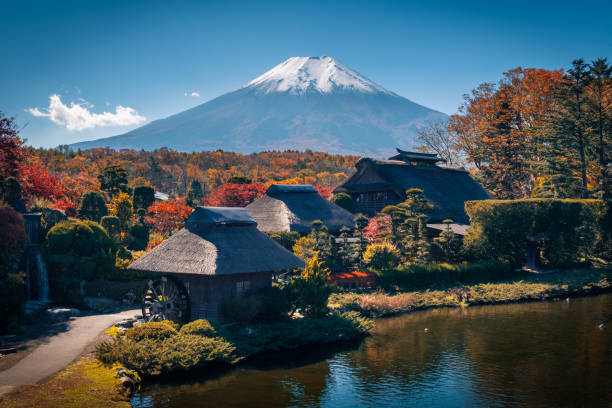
[{"x": 165, "y": 299}]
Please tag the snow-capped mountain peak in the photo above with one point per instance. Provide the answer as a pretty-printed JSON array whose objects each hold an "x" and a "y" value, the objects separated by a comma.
[{"x": 299, "y": 75}]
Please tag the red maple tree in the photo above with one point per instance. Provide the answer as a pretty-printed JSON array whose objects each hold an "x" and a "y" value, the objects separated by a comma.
[
  {"x": 168, "y": 216},
  {"x": 12, "y": 152},
  {"x": 37, "y": 182},
  {"x": 236, "y": 195}
]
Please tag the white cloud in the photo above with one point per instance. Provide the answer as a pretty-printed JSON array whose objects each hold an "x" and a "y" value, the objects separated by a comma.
[
  {"x": 194, "y": 94},
  {"x": 78, "y": 117}
]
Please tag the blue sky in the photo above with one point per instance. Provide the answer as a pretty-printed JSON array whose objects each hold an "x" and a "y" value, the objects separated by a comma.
[{"x": 149, "y": 57}]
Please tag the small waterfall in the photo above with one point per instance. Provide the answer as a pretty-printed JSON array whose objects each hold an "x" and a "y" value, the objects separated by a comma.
[
  {"x": 38, "y": 282},
  {"x": 42, "y": 277}
]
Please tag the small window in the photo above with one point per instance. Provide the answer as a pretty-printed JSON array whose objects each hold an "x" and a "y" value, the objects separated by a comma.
[{"x": 242, "y": 287}]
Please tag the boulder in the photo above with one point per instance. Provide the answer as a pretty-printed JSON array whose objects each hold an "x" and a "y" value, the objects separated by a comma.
[
  {"x": 61, "y": 313},
  {"x": 33, "y": 308},
  {"x": 100, "y": 304}
]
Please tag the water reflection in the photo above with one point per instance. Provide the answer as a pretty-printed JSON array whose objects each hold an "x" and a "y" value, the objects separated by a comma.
[{"x": 536, "y": 354}]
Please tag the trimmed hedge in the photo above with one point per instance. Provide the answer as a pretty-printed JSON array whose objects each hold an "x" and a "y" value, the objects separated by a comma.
[
  {"x": 499, "y": 229},
  {"x": 156, "y": 348},
  {"x": 416, "y": 277}
]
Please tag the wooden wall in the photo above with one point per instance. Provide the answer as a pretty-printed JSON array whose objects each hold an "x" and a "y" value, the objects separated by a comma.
[{"x": 208, "y": 293}]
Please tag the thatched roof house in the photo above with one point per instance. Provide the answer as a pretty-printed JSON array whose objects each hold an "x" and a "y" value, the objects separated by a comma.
[
  {"x": 219, "y": 254},
  {"x": 378, "y": 183},
  {"x": 291, "y": 207}
]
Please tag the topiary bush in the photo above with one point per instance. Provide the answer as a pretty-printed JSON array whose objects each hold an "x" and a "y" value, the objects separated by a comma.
[
  {"x": 287, "y": 239},
  {"x": 143, "y": 197},
  {"x": 345, "y": 201},
  {"x": 139, "y": 237},
  {"x": 92, "y": 207},
  {"x": 112, "y": 225},
  {"x": 499, "y": 229},
  {"x": 76, "y": 251}
]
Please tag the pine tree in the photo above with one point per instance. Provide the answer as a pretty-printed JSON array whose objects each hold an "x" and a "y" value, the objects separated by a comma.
[
  {"x": 195, "y": 195},
  {"x": 600, "y": 101}
]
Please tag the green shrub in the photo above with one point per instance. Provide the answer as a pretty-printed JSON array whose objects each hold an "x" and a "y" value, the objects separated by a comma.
[
  {"x": 381, "y": 255},
  {"x": 76, "y": 251},
  {"x": 12, "y": 296},
  {"x": 309, "y": 292},
  {"x": 189, "y": 349},
  {"x": 143, "y": 196},
  {"x": 139, "y": 237},
  {"x": 112, "y": 225},
  {"x": 152, "y": 330},
  {"x": 179, "y": 352},
  {"x": 415, "y": 277},
  {"x": 287, "y": 239},
  {"x": 93, "y": 207},
  {"x": 241, "y": 310},
  {"x": 500, "y": 228},
  {"x": 345, "y": 201},
  {"x": 200, "y": 327}
]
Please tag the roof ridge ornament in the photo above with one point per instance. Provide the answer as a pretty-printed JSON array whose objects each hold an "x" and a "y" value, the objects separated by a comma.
[{"x": 416, "y": 157}]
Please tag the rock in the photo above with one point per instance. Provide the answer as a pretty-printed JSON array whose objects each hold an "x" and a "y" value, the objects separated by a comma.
[
  {"x": 61, "y": 313},
  {"x": 127, "y": 323},
  {"x": 33, "y": 308},
  {"x": 99, "y": 303}
]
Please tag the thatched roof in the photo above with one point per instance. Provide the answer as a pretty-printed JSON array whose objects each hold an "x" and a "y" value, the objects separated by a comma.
[
  {"x": 447, "y": 188},
  {"x": 218, "y": 241},
  {"x": 290, "y": 207},
  {"x": 407, "y": 156}
]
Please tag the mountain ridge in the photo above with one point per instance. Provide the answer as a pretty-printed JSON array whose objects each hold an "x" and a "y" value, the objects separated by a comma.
[{"x": 303, "y": 103}]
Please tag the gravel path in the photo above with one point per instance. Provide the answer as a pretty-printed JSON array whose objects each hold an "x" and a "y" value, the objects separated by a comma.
[{"x": 60, "y": 350}]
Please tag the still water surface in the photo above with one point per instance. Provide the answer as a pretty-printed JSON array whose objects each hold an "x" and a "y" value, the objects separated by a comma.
[{"x": 546, "y": 354}]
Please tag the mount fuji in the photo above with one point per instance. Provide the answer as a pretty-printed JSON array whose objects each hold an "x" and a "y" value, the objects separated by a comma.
[{"x": 303, "y": 103}]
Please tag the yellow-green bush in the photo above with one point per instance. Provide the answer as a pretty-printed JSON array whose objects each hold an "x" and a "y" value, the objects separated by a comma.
[
  {"x": 381, "y": 255},
  {"x": 200, "y": 327},
  {"x": 153, "y": 330},
  {"x": 499, "y": 229}
]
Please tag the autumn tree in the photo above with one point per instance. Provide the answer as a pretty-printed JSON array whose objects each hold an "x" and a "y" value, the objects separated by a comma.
[
  {"x": 236, "y": 195},
  {"x": 435, "y": 137},
  {"x": 168, "y": 216},
  {"x": 497, "y": 128},
  {"x": 36, "y": 181},
  {"x": 12, "y": 152},
  {"x": 122, "y": 208},
  {"x": 195, "y": 195}
]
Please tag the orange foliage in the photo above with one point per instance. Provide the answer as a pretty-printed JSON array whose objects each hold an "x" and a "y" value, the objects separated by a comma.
[
  {"x": 168, "y": 216},
  {"x": 496, "y": 127}
]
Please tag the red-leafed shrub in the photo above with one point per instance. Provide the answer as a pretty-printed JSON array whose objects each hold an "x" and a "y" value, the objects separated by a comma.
[
  {"x": 66, "y": 206},
  {"x": 13, "y": 230},
  {"x": 236, "y": 195},
  {"x": 378, "y": 227},
  {"x": 323, "y": 191},
  {"x": 354, "y": 279},
  {"x": 167, "y": 216}
]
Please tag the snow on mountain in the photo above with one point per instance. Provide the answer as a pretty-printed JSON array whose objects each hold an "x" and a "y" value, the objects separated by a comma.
[
  {"x": 319, "y": 74},
  {"x": 303, "y": 103}
]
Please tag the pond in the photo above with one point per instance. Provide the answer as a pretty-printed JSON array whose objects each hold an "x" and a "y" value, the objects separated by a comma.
[{"x": 544, "y": 354}]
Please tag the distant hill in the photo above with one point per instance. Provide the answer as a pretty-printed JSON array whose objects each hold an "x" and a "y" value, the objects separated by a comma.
[{"x": 304, "y": 103}]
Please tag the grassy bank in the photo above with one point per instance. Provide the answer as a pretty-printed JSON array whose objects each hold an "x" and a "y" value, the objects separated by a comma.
[
  {"x": 576, "y": 282},
  {"x": 162, "y": 347},
  {"x": 86, "y": 383}
]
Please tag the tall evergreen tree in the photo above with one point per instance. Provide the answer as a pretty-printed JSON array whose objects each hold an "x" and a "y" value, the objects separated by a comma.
[{"x": 600, "y": 101}]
